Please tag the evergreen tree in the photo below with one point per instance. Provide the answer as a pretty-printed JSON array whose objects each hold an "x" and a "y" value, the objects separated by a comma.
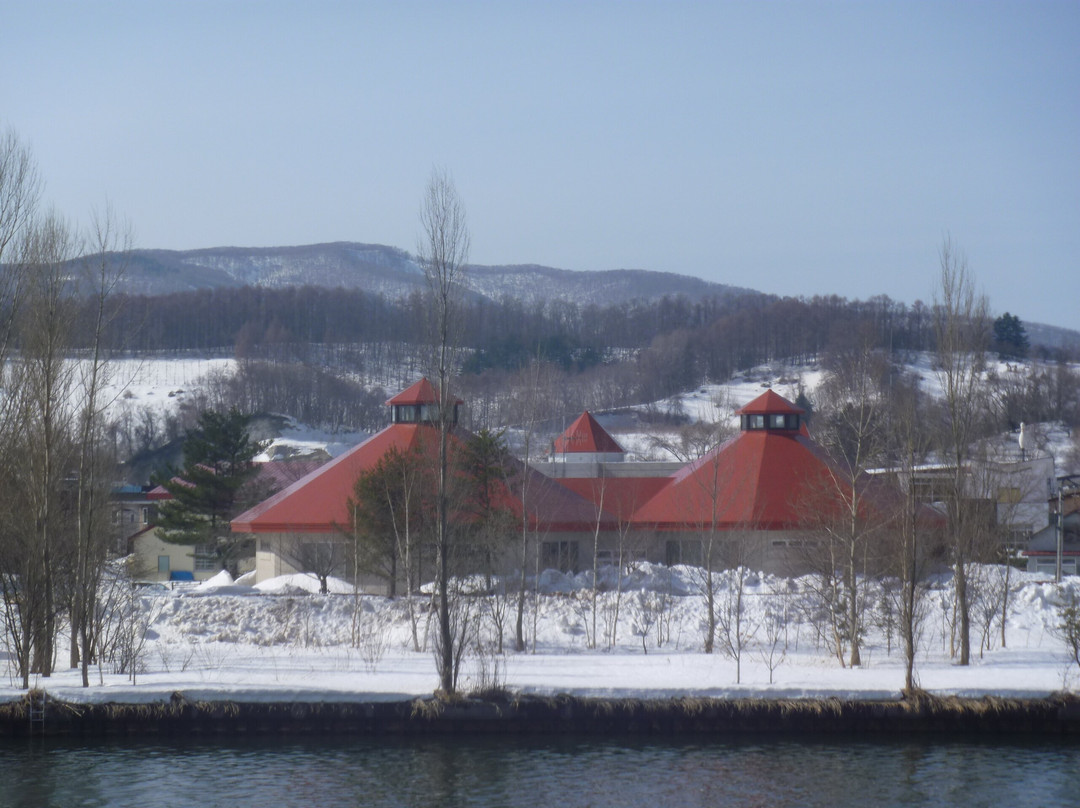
[
  {"x": 1010, "y": 337},
  {"x": 487, "y": 521},
  {"x": 206, "y": 493}
]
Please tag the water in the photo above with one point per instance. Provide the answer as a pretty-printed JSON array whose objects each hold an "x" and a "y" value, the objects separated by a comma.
[{"x": 503, "y": 773}]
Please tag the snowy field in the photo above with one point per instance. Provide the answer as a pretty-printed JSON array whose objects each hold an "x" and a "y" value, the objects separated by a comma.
[
  {"x": 160, "y": 382},
  {"x": 283, "y": 642}
]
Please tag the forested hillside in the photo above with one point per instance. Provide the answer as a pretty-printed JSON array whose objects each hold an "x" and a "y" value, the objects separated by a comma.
[{"x": 331, "y": 357}]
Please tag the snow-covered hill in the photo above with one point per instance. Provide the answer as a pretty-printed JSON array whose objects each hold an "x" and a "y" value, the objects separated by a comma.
[{"x": 394, "y": 273}]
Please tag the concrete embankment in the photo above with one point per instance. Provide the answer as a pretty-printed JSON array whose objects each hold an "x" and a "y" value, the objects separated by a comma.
[{"x": 922, "y": 714}]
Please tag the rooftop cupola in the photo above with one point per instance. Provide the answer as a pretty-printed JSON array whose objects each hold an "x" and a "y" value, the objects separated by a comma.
[
  {"x": 586, "y": 441},
  {"x": 770, "y": 412},
  {"x": 419, "y": 404}
]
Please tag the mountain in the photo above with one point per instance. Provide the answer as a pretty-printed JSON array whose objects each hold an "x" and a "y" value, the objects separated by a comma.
[
  {"x": 371, "y": 267},
  {"x": 394, "y": 273},
  {"x": 1052, "y": 336}
]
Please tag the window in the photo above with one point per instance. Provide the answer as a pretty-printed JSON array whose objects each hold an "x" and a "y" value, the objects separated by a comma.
[
  {"x": 162, "y": 563},
  {"x": 205, "y": 559},
  {"x": 687, "y": 551},
  {"x": 774, "y": 420},
  {"x": 146, "y": 514},
  {"x": 1008, "y": 495},
  {"x": 559, "y": 555},
  {"x": 406, "y": 414}
]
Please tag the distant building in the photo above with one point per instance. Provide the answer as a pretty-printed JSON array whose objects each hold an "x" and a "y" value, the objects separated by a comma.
[
  {"x": 1041, "y": 551},
  {"x": 765, "y": 487},
  {"x": 153, "y": 558},
  {"x": 133, "y": 510}
]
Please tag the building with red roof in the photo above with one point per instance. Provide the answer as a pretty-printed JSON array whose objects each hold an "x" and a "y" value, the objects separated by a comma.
[
  {"x": 315, "y": 508},
  {"x": 764, "y": 486}
]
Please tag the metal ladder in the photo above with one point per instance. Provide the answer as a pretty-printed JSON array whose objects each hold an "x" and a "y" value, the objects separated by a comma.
[{"x": 37, "y": 710}]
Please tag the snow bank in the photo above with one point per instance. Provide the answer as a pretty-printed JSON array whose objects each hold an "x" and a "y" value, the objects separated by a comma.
[
  {"x": 282, "y": 641},
  {"x": 301, "y": 584}
]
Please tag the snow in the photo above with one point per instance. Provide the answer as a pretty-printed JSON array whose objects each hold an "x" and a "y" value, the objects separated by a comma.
[
  {"x": 160, "y": 382},
  {"x": 281, "y": 641},
  {"x": 300, "y": 440}
]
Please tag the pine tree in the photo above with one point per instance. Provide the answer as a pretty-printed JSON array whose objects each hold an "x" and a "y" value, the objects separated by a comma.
[
  {"x": 206, "y": 493},
  {"x": 1010, "y": 337}
]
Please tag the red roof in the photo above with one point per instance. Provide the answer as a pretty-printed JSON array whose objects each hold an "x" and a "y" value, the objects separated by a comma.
[
  {"x": 318, "y": 503},
  {"x": 754, "y": 480},
  {"x": 618, "y": 496},
  {"x": 770, "y": 403},
  {"x": 586, "y": 435},
  {"x": 423, "y": 392}
]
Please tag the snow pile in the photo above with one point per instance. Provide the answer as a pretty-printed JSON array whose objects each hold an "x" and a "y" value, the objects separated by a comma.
[
  {"x": 300, "y": 440},
  {"x": 303, "y": 583},
  {"x": 279, "y": 641}
]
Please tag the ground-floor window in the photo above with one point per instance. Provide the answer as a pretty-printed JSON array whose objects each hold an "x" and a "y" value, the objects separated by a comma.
[
  {"x": 1048, "y": 566},
  {"x": 205, "y": 558},
  {"x": 162, "y": 563},
  {"x": 683, "y": 551},
  {"x": 559, "y": 555}
]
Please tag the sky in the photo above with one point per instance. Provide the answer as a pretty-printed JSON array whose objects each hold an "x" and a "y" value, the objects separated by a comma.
[{"x": 794, "y": 148}]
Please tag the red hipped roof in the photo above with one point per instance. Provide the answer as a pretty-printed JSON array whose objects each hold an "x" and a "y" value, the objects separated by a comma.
[
  {"x": 422, "y": 392},
  {"x": 319, "y": 502},
  {"x": 770, "y": 403},
  {"x": 754, "y": 480},
  {"x": 586, "y": 435}
]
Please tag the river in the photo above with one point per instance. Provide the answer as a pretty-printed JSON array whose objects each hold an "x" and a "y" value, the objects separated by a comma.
[{"x": 503, "y": 773}]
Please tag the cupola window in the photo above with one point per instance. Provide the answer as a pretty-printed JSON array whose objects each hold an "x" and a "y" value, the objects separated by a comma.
[
  {"x": 770, "y": 421},
  {"x": 419, "y": 414}
]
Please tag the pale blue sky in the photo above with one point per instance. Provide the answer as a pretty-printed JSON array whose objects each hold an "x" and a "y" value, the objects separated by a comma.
[{"x": 795, "y": 148}]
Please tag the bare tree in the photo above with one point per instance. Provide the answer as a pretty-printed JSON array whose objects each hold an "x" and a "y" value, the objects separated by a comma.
[
  {"x": 961, "y": 328},
  {"x": 443, "y": 252},
  {"x": 528, "y": 427},
  {"x": 388, "y": 523},
  {"x": 852, "y": 429},
  {"x": 20, "y": 189},
  {"x": 625, "y": 545},
  {"x": 773, "y": 647},
  {"x": 736, "y": 627},
  {"x": 717, "y": 489},
  {"x": 910, "y": 547},
  {"x": 695, "y": 440},
  {"x": 103, "y": 269},
  {"x": 44, "y": 435},
  {"x": 319, "y": 558}
]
